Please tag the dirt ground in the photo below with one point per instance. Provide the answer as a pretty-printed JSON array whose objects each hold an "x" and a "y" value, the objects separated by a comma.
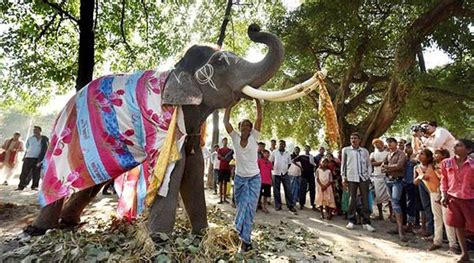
[{"x": 17, "y": 209}]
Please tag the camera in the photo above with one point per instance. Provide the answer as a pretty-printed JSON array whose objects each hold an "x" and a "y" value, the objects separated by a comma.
[{"x": 417, "y": 128}]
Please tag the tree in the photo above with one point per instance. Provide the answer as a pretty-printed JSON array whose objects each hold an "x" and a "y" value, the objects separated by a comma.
[
  {"x": 48, "y": 46},
  {"x": 444, "y": 95},
  {"x": 369, "y": 50}
]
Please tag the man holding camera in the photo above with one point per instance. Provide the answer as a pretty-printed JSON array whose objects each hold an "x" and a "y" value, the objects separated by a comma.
[
  {"x": 428, "y": 135},
  {"x": 437, "y": 137}
]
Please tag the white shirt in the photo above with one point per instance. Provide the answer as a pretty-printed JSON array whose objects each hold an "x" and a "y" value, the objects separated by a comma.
[
  {"x": 294, "y": 169},
  {"x": 205, "y": 153},
  {"x": 33, "y": 147},
  {"x": 281, "y": 162},
  {"x": 441, "y": 139},
  {"x": 378, "y": 156},
  {"x": 215, "y": 161},
  {"x": 355, "y": 164},
  {"x": 246, "y": 158}
]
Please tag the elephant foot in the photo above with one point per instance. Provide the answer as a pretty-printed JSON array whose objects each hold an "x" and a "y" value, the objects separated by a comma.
[
  {"x": 71, "y": 213},
  {"x": 32, "y": 230},
  {"x": 48, "y": 218},
  {"x": 70, "y": 224},
  {"x": 200, "y": 232},
  {"x": 159, "y": 239}
]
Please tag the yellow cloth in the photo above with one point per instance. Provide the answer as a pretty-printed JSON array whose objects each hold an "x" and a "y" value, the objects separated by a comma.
[
  {"x": 327, "y": 110},
  {"x": 168, "y": 154}
]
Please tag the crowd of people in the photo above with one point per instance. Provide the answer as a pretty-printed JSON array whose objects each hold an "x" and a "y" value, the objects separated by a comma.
[{"x": 427, "y": 184}]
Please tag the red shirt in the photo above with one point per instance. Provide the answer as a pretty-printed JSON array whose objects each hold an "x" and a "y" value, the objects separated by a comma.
[
  {"x": 458, "y": 182},
  {"x": 223, "y": 164},
  {"x": 265, "y": 167}
]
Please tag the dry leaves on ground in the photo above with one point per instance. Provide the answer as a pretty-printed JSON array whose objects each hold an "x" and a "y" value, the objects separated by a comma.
[{"x": 118, "y": 241}]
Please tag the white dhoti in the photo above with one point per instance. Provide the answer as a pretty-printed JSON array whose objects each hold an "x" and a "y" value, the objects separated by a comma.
[{"x": 381, "y": 190}]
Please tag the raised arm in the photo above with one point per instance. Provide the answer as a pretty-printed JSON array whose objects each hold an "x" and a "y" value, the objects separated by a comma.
[
  {"x": 258, "y": 121},
  {"x": 227, "y": 125}
]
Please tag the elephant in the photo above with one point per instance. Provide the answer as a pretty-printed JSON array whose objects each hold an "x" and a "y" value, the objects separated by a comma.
[{"x": 203, "y": 80}]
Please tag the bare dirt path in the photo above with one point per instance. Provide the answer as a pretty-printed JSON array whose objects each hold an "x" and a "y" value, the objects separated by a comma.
[{"x": 335, "y": 243}]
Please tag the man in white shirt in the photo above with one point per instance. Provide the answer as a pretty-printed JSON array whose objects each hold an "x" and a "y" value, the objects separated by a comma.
[
  {"x": 281, "y": 162},
  {"x": 36, "y": 147},
  {"x": 215, "y": 168},
  {"x": 438, "y": 137},
  {"x": 356, "y": 170},
  {"x": 378, "y": 177}
]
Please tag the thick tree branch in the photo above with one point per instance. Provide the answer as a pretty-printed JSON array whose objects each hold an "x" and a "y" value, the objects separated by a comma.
[
  {"x": 45, "y": 28},
  {"x": 364, "y": 77},
  {"x": 220, "y": 40},
  {"x": 96, "y": 14},
  {"x": 344, "y": 88},
  {"x": 421, "y": 61},
  {"x": 61, "y": 11},
  {"x": 122, "y": 28},
  {"x": 145, "y": 11},
  {"x": 362, "y": 95},
  {"x": 379, "y": 120}
]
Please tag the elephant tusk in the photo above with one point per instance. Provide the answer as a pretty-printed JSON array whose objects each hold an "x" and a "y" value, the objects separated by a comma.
[
  {"x": 292, "y": 93},
  {"x": 297, "y": 95},
  {"x": 268, "y": 95}
]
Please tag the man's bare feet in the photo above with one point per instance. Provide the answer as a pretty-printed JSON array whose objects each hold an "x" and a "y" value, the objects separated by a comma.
[
  {"x": 455, "y": 250},
  {"x": 434, "y": 247},
  {"x": 403, "y": 238},
  {"x": 463, "y": 258}
]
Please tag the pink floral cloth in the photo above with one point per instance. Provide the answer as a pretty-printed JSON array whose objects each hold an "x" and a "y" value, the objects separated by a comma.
[{"x": 113, "y": 125}]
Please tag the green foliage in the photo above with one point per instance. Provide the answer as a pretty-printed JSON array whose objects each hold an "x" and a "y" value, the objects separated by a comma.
[
  {"x": 444, "y": 95},
  {"x": 40, "y": 44},
  {"x": 39, "y": 53},
  {"x": 361, "y": 38}
]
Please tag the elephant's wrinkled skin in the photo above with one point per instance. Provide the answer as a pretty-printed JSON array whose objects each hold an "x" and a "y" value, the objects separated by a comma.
[{"x": 198, "y": 97}]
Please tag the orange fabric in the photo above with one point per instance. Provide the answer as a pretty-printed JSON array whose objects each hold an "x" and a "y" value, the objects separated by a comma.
[{"x": 429, "y": 177}]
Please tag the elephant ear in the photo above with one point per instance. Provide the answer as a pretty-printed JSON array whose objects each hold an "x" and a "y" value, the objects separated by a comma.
[{"x": 180, "y": 89}]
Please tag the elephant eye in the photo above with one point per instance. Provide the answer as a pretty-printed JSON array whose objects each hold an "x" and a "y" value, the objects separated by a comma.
[{"x": 218, "y": 62}]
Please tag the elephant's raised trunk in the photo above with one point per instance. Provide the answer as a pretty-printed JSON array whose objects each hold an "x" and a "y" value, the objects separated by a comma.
[{"x": 259, "y": 73}]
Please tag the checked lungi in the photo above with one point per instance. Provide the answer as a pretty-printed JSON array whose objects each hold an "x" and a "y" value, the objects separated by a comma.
[{"x": 246, "y": 190}]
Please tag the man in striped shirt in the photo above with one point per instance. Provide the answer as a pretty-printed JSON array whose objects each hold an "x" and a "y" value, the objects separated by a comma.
[{"x": 356, "y": 170}]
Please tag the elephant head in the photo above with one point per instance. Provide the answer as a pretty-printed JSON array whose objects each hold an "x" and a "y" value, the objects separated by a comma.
[{"x": 213, "y": 78}]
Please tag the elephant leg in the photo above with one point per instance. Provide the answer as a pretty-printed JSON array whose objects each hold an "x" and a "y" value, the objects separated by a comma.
[
  {"x": 48, "y": 218},
  {"x": 192, "y": 192},
  {"x": 162, "y": 214},
  {"x": 71, "y": 214}
]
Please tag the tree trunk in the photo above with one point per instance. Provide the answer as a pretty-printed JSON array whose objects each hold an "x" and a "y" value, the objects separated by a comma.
[
  {"x": 215, "y": 114},
  {"x": 86, "y": 44}
]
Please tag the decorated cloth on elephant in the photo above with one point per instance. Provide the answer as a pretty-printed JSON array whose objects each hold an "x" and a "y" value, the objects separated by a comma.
[{"x": 114, "y": 124}]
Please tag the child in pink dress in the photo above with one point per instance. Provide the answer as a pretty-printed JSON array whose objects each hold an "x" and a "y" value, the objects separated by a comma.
[
  {"x": 265, "y": 167},
  {"x": 324, "y": 193}
]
